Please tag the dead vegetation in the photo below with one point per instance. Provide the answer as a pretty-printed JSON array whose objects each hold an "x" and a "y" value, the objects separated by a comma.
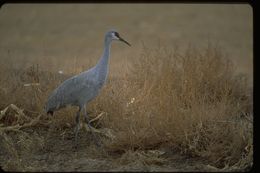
[{"x": 190, "y": 102}]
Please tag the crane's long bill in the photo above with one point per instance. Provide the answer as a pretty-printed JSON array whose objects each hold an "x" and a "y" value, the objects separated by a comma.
[{"x": 121, "y": 39}]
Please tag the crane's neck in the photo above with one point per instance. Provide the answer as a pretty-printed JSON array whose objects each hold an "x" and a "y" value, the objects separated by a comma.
[{"x": 102, "y": 65}]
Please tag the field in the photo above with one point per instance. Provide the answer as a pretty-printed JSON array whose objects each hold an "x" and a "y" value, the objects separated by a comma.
[{"x": 179, "y": 99}]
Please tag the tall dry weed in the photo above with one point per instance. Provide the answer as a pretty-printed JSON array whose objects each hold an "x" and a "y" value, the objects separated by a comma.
[{"x": 191, "y": 101}]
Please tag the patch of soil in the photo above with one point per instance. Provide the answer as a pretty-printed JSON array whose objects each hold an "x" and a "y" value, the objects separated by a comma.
[{"x": 57, "y": 152}]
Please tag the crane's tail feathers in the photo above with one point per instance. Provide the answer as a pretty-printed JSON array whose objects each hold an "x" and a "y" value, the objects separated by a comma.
[{"x": 50, "y": 112}]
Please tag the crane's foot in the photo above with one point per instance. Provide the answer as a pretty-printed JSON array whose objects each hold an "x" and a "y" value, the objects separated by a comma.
[{"x": 93, "y": 130}]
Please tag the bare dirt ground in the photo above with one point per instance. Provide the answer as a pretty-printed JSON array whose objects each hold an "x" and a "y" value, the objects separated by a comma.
[{"x": 59, "y": 154}]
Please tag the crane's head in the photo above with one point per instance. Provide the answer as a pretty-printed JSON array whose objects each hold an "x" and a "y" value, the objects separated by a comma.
[{"x": 113, "y": 35}]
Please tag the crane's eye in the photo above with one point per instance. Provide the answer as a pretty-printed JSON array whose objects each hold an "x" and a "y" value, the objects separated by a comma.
[{"x": 116, "y": 34}]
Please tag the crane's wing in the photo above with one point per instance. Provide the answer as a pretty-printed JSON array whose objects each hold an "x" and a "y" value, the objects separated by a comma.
[{"x": 76, "y": 90}]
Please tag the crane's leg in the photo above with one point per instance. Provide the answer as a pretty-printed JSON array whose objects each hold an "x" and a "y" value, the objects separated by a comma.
[
  {"x": 77, "y": 126},
  {"x": 89, "y": 126}
]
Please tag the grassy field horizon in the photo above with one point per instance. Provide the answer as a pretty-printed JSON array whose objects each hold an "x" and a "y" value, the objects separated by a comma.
[{"x": 52, "y": 32}]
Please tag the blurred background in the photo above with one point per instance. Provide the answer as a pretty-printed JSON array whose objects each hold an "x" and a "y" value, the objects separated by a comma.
[{"x": 69, "y": 37}]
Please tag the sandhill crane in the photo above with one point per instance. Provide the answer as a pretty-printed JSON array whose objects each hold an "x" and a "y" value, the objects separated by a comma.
[{"x": 82, "y": 88}]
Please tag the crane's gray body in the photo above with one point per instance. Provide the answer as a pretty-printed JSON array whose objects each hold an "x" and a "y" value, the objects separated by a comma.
[
  {"x": 77, "y": 90},
  {"x": 82, "y": 88}
]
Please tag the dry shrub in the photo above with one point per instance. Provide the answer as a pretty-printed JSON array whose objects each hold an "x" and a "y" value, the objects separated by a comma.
[
  {"x": 16, "y": 143},
  {"x": 191, "y": 101}
]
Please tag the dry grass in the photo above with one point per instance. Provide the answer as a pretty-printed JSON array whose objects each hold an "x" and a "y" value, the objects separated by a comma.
[{"x": 191, "y": 101}]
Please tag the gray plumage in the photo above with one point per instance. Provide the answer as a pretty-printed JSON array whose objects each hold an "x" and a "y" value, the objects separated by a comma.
[{"x": 82, "y": 88}]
